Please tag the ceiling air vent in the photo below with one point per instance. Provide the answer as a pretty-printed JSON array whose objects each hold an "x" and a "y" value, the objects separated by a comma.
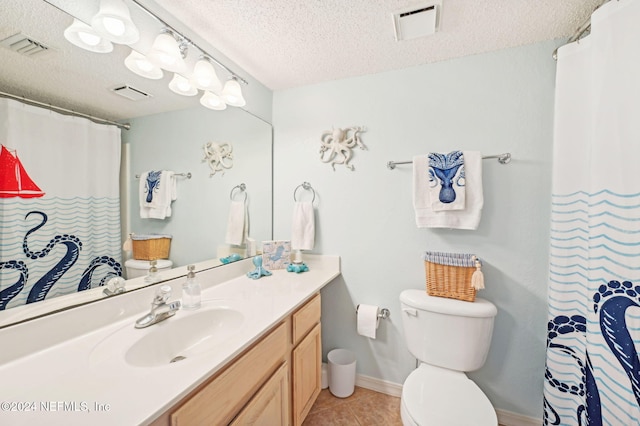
[
  {"x": 24, "y": 45},
  {"x": 416, "y": 22},
  {"x": 130, "y": 92}
]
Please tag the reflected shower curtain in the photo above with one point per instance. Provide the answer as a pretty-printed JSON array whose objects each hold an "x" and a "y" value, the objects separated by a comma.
[
  {"x": 592, "y": 373},
  {"x": 59, "y": 204}
]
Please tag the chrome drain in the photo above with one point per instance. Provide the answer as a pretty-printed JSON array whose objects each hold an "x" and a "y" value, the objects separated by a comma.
[{"x": 177, "y": 358}]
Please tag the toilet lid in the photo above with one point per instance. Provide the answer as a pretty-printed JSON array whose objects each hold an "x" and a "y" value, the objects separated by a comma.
[
  {"x": 146, "y": 264},
  {"x": 440, "y": 397}
]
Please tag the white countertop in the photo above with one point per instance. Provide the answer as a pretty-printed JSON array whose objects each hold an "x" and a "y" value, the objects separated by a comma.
[{"x": 85, "y": 378}]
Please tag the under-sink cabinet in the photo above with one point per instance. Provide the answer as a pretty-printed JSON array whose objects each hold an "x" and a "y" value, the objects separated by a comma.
[{"x": 274, "y": 382}]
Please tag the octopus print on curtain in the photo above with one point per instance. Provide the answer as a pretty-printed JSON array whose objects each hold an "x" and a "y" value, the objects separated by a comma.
[
  {"x": 592, "y": 374},
  {"x": 59, "y": 201}
]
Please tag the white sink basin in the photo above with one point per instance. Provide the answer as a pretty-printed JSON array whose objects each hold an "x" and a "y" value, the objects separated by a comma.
[
  {"x": 185, "y": 335},
  {"x": 181, "y": 337}
]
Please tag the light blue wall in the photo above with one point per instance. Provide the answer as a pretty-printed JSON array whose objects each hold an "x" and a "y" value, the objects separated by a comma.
[{"x": 495, "y": 102}]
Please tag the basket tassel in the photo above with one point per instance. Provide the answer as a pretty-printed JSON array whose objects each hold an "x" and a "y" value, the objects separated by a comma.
[
  {"x": 128, "y": 244},
  {"x": 477, "y": 279}
]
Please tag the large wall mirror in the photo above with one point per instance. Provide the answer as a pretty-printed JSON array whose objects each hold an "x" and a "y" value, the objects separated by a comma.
[{"x": 168, "y": 132}]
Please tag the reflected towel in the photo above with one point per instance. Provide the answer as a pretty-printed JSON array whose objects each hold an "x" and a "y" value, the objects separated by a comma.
[
  {"x": 469, "y": 218},
  {"x": 237, "y": 224},
  {"x": 303, "y": 227},
  {"x": 157, "y": 190}
]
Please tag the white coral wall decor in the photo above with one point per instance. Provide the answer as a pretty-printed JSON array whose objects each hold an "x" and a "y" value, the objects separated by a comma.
[
  {"x": 336, "y": 145},
  {"x": 219, "y": 157}
]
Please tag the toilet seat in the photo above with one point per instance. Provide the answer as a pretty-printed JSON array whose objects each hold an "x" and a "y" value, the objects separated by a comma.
[{"x": 433, "y": 396}]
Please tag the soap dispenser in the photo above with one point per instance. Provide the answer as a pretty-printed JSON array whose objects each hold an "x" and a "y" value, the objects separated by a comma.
[{"x": 191, "y": 290}]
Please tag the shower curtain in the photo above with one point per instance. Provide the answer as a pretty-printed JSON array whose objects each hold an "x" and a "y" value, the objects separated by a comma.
[
  {"x": 592, "y": 373},
  {"x": 59, "y": 204}
]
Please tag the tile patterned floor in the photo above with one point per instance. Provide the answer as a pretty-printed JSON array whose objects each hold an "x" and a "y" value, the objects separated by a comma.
[{"x": 363, "y": 407}]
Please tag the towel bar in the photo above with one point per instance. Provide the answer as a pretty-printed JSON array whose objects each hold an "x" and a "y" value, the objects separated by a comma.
[
  {"x": 502, "y": 159},
  {"x": 187, "y": 175}
]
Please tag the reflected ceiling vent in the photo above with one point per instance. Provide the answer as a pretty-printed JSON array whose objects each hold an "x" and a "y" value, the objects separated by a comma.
[
  {"x": 24, "y": 45},
  {"x": 130, "y": 92},
  {"x": 419, "y": 21}
]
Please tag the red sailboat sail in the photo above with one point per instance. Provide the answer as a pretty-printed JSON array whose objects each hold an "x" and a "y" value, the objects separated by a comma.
[{"x": 14, "y": 180}]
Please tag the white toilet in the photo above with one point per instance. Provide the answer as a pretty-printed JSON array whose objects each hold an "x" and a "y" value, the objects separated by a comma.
[
  {"x": 140, "y": 268},
  {"x": 448, "y": 337}
]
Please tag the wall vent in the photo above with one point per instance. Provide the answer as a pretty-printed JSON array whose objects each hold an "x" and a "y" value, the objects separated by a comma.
[
  {"x": 24, "y": 45},
  {"x": 130, "y": 92},
  {"x": 416, "y": 22}
]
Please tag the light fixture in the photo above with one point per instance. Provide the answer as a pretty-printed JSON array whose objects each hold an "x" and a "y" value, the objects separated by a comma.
[
  {"x": 114, "y": 22},
  {"x": 232, "y": 93},
  {"x": 139, "y": 64},
  {"x": 204, "y": 76},
  {"x": 165, "y": 53},
  {"x": 212, "y": 101},
  {"x": 182, "y": 86},
  {"x": 82, "y": 35}
]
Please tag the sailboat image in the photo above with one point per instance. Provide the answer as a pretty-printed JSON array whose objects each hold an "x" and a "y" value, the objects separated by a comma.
[{"x": 14, "y": 180}]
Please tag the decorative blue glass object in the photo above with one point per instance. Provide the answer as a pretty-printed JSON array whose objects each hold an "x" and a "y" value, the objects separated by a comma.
[
  {"x": 234, "y": 257},
  {"x": 297, "y": 267},
  {"x": 260, "y": 271}
]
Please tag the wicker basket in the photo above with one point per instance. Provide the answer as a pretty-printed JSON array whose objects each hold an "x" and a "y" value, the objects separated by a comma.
[
  {"x": 151, "y": 247},
  {"x": 449, "y": 275}
]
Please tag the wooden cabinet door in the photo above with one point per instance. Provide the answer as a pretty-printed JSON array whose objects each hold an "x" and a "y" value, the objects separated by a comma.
[
  {"x": 307, "y": 370},
  {"x": 270, "y": 405}
]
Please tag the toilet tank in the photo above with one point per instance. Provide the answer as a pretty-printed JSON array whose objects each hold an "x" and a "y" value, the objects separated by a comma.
[{"x": 447, "y": 333}]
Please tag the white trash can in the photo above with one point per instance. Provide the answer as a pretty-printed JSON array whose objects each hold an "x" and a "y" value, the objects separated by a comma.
[{"x": 342, "y": 372}]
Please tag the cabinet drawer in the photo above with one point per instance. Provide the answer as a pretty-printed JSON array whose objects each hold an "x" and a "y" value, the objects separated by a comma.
[
  {"x": 305, "y": 318},
  {"x": 222, "y": 398},
  {"x": 270, "y": 406}
]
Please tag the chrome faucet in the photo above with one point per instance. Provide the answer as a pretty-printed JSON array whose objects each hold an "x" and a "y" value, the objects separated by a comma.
[{"x": 160, "y": 309}]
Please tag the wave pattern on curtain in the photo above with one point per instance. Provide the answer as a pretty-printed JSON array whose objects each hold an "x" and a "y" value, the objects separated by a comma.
[
  {"x": 592, "y": 374},
  {"x": 59, "y": 204}
]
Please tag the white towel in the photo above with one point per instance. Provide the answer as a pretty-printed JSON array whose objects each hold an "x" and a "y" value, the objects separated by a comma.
[
  {"x": 157, "y": 194},
  {"x": 237, "y": 224},
  {"x": 447, "y": 181},
  {"x": 303, "y": 227},
  {"x": 469, "y": 218}
]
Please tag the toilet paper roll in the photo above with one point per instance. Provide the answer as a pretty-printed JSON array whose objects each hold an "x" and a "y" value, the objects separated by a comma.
[{"x": 368, "y": 320}]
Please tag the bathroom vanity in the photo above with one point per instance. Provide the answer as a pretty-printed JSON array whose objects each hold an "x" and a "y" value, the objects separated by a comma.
[{"x": 251, "y": 352}]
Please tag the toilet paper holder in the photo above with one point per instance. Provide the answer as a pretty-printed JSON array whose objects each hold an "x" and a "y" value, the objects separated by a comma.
[{"x": 384, "y": 313}]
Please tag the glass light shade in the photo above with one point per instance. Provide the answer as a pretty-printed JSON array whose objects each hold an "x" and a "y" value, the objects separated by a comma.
[
  {"x": 82, "y": 35},
  {"x": 212, "y": 101},
  {"x": 232, "y": 93},
  {"x": 114, "y": 22},
  {"x": 139, "y": 64},
  {"x": 165, "y": 53},
  {"x": 182, "y": 86},
  {"x": 204, "y": 76}
]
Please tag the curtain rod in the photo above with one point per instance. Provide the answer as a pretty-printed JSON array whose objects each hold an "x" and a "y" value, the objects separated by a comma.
[
  {"x": 582, "y": 29},
  {"x": 54, "y": 108}
]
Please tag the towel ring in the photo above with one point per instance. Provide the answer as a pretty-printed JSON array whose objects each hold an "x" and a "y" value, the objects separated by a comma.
[
  {"x": 242, "y": 188},
  {"x": 308, "y": 187}
]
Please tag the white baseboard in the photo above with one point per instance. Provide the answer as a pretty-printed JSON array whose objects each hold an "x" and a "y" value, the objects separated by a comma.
[
  {"x": 505, "y": 418},
  {"x": 379, "y": 385}
]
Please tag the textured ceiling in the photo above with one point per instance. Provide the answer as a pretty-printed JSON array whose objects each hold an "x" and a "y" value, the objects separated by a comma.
[{"x": 281, "y": 43}]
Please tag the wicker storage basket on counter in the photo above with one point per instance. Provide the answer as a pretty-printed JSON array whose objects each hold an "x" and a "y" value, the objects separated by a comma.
[
  {"x": 449, "y": 275},
  {"x": 151, "y": 246}
]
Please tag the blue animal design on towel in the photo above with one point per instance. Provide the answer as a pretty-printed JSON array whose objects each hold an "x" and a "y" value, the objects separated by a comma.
[
  {"x": 444, "y": 167},
  {"x": 153, "y": 183}
]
